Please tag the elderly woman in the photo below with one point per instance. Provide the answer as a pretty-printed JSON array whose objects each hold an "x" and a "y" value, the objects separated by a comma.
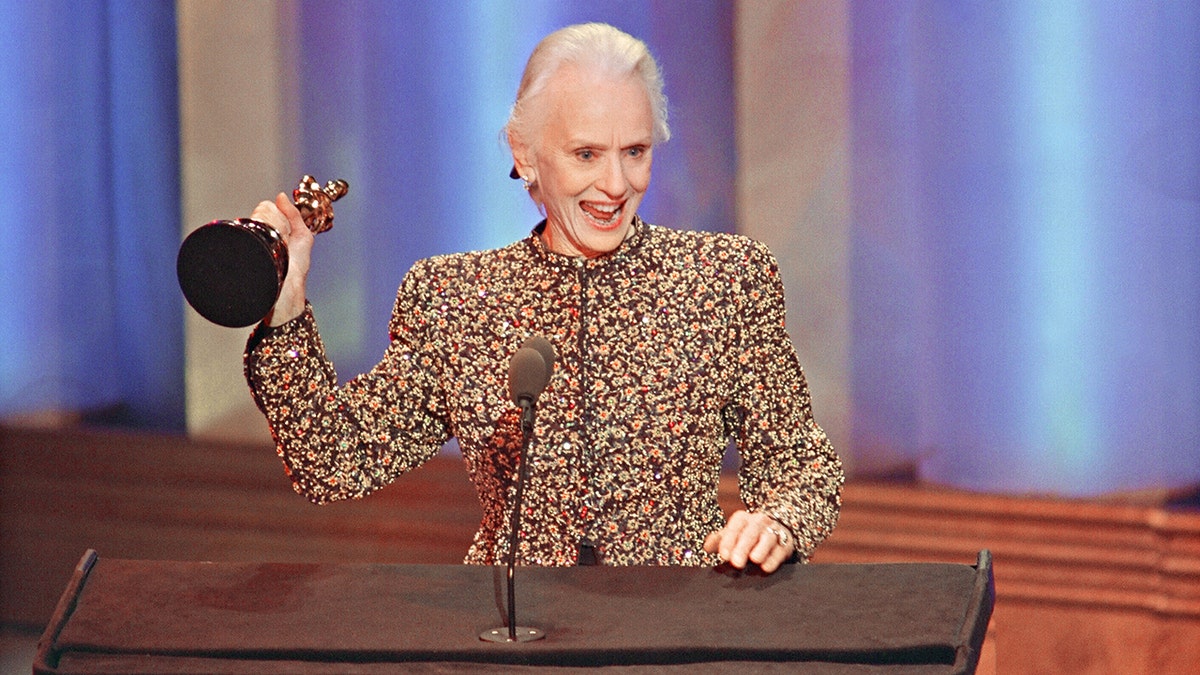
[{"x": 669, "y": 343}]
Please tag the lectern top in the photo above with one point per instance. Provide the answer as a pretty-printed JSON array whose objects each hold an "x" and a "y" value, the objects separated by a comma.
[{"x": 164, "y": 616}]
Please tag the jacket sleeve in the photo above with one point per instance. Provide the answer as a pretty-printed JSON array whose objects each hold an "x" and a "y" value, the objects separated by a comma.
[
  {"x": 789, "y": 468},
  {"x": 340, "y": 442}
]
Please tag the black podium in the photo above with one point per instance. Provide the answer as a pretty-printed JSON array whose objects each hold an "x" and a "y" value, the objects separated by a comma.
[{"x": 139, "y": 616}]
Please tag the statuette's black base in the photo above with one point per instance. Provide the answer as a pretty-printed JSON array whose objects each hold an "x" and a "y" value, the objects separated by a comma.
[{"x": 231, "y": 271}]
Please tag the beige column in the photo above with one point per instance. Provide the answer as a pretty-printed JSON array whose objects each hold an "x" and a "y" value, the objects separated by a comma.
[
  {"x": 238, "y": 133},
  {"x": 793, "y": 125}
]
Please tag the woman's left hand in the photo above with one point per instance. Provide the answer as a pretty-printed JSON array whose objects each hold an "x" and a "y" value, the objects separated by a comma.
[{"x": 752, "y": 537}]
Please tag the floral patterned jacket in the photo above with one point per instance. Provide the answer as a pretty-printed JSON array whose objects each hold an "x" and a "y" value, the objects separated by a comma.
[{"x": 668, "y": 349}]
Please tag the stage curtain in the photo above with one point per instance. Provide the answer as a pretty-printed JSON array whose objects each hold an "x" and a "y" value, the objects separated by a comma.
[
  {"x": 90, "y": 316},
  {"x": 1026, "y": 293}
]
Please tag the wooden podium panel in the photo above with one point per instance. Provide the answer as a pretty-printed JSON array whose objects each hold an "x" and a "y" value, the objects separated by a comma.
[{"x": 132, "y": 616}]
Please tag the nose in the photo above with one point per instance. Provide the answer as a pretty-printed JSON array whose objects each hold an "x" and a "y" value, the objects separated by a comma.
[{"x": 611, "y": 180}]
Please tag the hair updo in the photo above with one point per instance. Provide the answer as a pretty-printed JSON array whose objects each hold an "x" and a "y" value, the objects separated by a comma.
[{"x": 595, "y": 46}]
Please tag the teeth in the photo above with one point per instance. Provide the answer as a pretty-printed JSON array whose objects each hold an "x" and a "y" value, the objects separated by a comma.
[{"x": 602, "y": 212}]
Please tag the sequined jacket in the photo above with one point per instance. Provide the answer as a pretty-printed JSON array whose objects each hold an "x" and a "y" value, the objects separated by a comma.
[{"x": 668, "y": 348}]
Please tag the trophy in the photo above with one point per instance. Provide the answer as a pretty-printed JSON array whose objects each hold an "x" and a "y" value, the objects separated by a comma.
[{"x": 231, "y": 271}]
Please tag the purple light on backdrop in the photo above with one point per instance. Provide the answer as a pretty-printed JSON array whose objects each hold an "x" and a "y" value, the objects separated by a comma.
[
  {"x": 1026, "y": 195},
  {"x": 414, "y": 97},
  {"x": 1027, "y": 224},
  {"x": 90, "y": 318}
]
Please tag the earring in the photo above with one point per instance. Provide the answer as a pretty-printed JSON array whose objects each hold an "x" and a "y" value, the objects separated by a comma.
[{"x": 527, "y": 183}]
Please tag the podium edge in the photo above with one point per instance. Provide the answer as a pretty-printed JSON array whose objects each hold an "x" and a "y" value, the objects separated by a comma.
[{"x": 46, "y": 660}]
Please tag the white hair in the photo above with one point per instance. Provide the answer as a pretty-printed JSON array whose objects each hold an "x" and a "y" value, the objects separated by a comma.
[{"x": 596, "y": 46}]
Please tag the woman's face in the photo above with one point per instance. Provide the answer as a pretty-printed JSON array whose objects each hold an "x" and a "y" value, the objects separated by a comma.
[{"x": 592, "y": 166}]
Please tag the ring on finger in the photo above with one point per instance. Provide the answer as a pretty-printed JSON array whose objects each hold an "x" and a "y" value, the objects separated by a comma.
[{"x": 781, "y": 534}]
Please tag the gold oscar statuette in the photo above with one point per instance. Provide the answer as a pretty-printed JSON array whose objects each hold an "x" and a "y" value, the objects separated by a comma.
[{"x": 231, "y": 271}]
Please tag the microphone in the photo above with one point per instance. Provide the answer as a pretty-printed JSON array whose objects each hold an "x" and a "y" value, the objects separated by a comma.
[
  {"x": 543, "y": 347},
  {"x": 528, "y": 374}
]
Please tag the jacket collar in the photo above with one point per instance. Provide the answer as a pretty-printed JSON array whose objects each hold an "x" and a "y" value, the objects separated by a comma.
[{"x": 628, "y": 247}]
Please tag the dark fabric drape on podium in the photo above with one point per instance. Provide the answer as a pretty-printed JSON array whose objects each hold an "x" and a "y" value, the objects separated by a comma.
[{"x": 154, "y": 616}]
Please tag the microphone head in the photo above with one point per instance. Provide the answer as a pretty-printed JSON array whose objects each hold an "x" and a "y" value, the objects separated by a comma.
[
  {"x": 526, "y": 376},
  {"x": 530, "y": 369},
  {"x": 543, "y": 347}
]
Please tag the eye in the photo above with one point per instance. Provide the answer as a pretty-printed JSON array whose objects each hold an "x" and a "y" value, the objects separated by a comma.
[
  {"x": 585, "y": 154},
  {"x": 636, "y": 151}
]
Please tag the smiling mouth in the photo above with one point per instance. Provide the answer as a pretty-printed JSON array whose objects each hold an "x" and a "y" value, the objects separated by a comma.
[{"x": 603, "y": 214}]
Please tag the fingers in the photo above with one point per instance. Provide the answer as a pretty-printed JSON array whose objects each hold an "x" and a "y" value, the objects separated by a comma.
[
  {"x": 773, "y": 552},
  {"x": 280, "y": 214},
  {"x": 268, "y": 212},
  {"x": 733, "y": 542},
  {"x": 289, "y": 210},
  {"x": 751, "y": 537}
]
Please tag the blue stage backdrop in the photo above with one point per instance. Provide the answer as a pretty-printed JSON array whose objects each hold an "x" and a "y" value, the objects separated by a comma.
[
  {"x": 1025, "y": 278},
  {"x": 89, "y": 158},
  {"x": 1026, "y": 275}
]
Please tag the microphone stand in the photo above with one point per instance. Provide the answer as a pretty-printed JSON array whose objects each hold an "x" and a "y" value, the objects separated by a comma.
[{"x": 515, "y": 633}]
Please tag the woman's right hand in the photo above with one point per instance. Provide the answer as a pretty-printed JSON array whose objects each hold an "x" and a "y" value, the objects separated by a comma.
[{"x": 282, "y": 215}]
